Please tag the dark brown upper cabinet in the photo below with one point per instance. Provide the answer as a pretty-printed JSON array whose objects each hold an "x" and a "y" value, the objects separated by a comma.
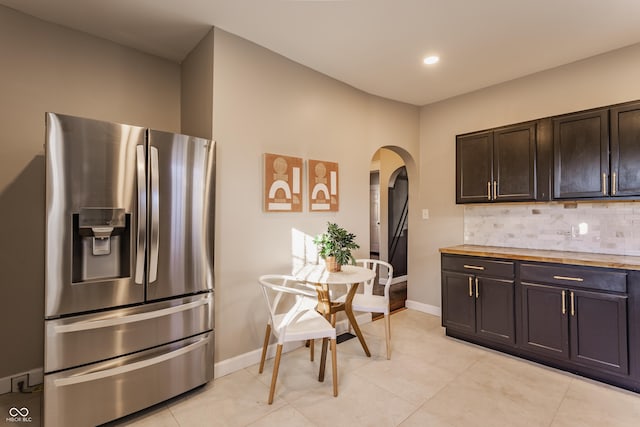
[
  {"x": 497, "y": 165},
  {"x": 592, "y": 154},
  {"x": 474, "y": 165},
  {"x": 581, "y": 155},
  {"x": 625, "y": 150},
  {"x": 597, "y": 153}
]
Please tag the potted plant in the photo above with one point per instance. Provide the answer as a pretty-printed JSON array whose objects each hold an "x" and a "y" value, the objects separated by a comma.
[{"x": 335, "y": 247}]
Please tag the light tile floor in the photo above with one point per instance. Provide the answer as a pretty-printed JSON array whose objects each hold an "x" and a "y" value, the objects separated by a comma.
[
  {"x": 431, "y": 380},
  {"x": 28, "y": 404}
]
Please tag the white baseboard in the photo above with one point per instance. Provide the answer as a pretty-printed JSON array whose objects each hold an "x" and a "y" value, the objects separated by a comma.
[
  {"x": 425, "y": 308},
  {"x": 34, "y": 377},
  {"x": 245, "y": 360}
]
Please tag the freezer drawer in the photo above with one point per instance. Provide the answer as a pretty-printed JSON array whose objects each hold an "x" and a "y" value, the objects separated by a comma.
[
  {"x": 101, "y": 392},
  {"x": 80, "y": 340}
]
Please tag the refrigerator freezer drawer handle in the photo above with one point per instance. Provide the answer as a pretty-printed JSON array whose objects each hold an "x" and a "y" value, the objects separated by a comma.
[
  {"x": 105, "y": 323},
  {"x": 155, "y": 216},
  {"x": 129, "y": 367},
  {"x": 142, "y": 214}
]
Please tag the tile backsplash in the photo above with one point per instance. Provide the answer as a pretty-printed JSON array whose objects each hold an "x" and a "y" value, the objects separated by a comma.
[{"x": 599, "y": 227}]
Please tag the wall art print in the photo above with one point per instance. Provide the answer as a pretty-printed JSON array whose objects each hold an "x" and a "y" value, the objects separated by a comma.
[
  {"x": 282, "y": 183},
  {"x": 323, "y": 186}
]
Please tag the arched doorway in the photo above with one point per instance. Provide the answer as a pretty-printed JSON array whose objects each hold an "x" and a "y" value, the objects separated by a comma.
[{"x": 390, "y": 178}]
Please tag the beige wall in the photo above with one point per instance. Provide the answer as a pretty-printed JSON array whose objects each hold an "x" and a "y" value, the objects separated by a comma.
[
  {"x": 48, "y": 68},
  {"x": 602, "y": 80},
  {"x": 196, "y": 102},
  {"x": 266, "y": 103}
]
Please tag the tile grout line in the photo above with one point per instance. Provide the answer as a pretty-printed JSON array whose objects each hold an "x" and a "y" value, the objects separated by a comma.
[
  {"x": 564, "y": 396},
  {"x": 174, "y": 416}
]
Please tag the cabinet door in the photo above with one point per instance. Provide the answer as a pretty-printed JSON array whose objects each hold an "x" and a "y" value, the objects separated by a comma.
[
  {"x": 598, "y": 324},
  {"x": 474, "y": 167},
  {"x": 495, "y": 309},
  {"x": 514, "y": 162},
  {"x": 544, "y": 320},
  {"x": 625, "y": 150},
  {"x": 458, "y": 302},
  {"x": 581, "y": 155}
]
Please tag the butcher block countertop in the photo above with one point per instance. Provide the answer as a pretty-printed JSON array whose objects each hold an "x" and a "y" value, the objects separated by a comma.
[{"x": 625, "y": 262}]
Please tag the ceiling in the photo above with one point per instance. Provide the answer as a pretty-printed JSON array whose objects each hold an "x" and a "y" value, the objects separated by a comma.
[{"x": 374, "y": 45}]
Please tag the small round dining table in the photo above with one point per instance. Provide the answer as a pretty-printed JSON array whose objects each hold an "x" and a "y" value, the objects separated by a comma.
[{"x": 324, "y": 280}]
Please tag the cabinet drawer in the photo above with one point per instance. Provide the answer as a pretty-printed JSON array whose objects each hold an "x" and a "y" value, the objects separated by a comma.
[
  {"x": 575, "y": 277},
  {"x": 479, "y": 266}
]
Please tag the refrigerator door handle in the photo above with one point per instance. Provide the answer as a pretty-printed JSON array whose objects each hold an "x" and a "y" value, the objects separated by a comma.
[
  {"x": 130, "y": 367},
  {"x": 155, "y": 216},
  {"x": 116, "y": 321},
  {"x": 142, "y": 214}
]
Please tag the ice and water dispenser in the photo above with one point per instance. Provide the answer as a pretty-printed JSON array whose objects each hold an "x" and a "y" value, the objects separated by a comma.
[{"x": 101, "y": 244}]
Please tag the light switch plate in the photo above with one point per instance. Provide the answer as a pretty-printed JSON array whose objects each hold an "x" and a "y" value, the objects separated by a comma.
[{"x": 425, "y": 213}]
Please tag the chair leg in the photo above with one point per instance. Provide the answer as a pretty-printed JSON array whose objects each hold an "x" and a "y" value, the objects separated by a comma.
[
  {"x": 323, "y": 359},
  {"x": 274, "y": 377},
  {"x": 334, "y": 365},
  {"x": 312, "y": 349},
  {"x": 387, "y": 333},
  {"x": 267, "y": 334},
  {"x": 333, "y": 321}
]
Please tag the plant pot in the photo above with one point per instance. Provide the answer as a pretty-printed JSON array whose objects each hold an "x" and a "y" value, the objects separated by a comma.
[{"x": 331, "y": 264}]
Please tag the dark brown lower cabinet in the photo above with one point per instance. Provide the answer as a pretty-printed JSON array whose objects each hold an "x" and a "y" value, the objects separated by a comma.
[
  {"x": 581, "y": 319},
  {"x": 458, "y": 304},
  {"x": 495, "y": 310},
  {"x": 586, "y": 327},
  {"x": 479, "y": 305},
  {"x": 598, "y": 329},
  {"x": 544, "y": 320}
]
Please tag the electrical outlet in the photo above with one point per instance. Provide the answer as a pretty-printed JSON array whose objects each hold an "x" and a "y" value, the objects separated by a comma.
[{"x": 15, "y": 383}]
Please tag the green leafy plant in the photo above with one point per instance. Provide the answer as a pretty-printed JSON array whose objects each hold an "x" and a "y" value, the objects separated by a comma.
[{"x": 337, "y": 242}]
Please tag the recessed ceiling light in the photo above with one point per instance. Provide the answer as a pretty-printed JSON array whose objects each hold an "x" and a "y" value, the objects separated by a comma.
[{"x": 430, "y": 60}]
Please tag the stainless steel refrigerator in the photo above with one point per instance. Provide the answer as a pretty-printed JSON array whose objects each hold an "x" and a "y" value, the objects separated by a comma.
[{"x": 128, "y": 268}]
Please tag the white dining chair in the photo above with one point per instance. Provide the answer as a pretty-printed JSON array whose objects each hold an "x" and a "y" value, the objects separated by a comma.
[
  {"x": 294, "y": 320},
  {"x": 368, "y": 302}
]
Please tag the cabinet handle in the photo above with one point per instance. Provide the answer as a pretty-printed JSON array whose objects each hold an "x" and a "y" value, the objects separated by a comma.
[
  {"x": 613, "y": 185},
  {"x": 564, "y": 302},
  {"x": 473, "y": 267},
  {"x": 470, "y": 287},
  {"x": 488, "y": 190},
  {"x": 573, "y": 304},
  {"x": 477, "y": 293},
  {"x": 495, "y": 190},
  {"x": 571, "y": 279},
  {"x": 604, "y": 184}
]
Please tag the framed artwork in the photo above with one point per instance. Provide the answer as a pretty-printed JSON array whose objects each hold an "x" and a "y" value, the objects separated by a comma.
[
  {"x": 282, "y": 183},
  {"x": 323, "y": 186}
]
